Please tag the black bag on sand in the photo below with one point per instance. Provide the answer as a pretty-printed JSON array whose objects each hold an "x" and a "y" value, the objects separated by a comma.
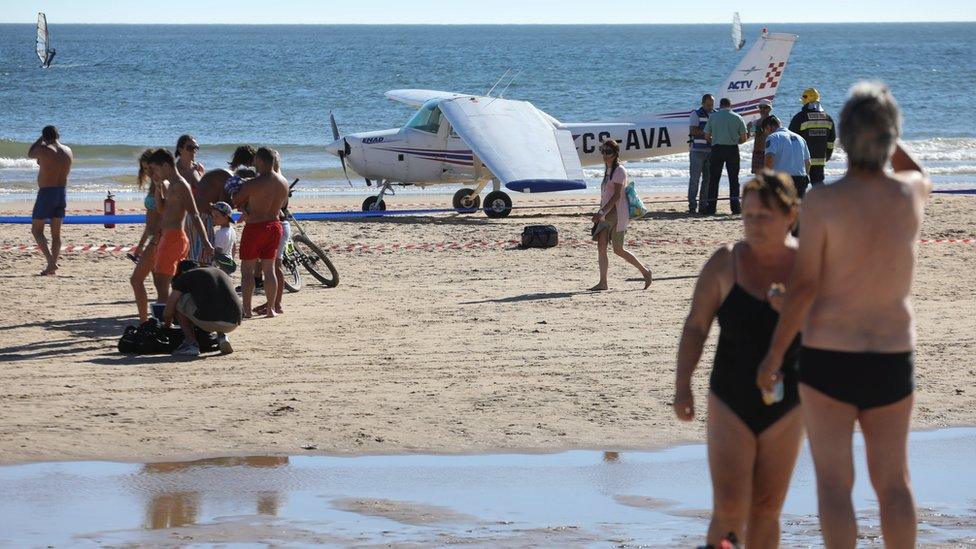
[
  {"x": 151, "y": 338},
  {"x": 540, "y": 236}
]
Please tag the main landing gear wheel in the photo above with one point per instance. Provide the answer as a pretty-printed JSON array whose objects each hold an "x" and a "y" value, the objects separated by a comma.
[
  {"x": 371, "y": 205},
  {"x": 466, "y": 201},
  {"x": 498, "y": 205}
]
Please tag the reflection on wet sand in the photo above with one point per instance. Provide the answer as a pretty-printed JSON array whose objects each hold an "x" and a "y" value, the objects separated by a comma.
[
  {"x": 173, "y": 509},
  {"x": 655, "y": 499}
]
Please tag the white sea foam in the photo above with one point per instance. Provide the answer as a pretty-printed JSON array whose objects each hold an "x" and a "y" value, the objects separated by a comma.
[
  {"x": 17, "y": 164},
  {"x": 641, "y": 173}
]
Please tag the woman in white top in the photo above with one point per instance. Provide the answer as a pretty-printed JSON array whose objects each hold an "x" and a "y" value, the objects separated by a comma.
[{"x": 610, "y": 222}]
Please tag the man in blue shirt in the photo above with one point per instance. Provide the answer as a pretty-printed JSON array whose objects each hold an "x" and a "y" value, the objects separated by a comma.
[
  {"x": 787, "y": 152},
  {"x": 699, "y": 150}
]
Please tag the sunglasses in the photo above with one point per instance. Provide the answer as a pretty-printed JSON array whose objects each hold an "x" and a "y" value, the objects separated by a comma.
[
  {"x": 192, "y": 147},
  {"x": 606, "y": 152},
  {"x": 764, "y": 108}
]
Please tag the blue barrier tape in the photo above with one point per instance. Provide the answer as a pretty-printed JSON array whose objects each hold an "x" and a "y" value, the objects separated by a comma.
[
  {"x": 957, "y": 191},
  {"x": 307, "y": 216},
  {"x": 301, "y": 216}
]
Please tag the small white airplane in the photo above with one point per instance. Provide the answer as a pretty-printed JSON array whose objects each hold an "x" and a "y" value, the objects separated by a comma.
[{"x": 472, "y": 140}]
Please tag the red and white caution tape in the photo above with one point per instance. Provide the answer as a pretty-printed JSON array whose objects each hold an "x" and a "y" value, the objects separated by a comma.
[
  {"x": 355, "y": 207},
  {"x": 393, "y": 247},
  {"x": 572, "y": 243},
  {"x": 71, "y": 248}
]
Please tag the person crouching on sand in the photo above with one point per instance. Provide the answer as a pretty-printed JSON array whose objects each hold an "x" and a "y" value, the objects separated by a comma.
[
  {"x": 610, "y": 222},
  {"x": 753, "y": 439},
  {"x": 261, "y": 199},
  {"x": 850, "y": 292},
  {"x": 202, "y": 297},
  {"x": 145, "y": 254}
]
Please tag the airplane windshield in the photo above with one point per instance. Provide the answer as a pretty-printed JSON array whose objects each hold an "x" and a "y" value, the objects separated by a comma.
[{"x": 427, "y": 119}]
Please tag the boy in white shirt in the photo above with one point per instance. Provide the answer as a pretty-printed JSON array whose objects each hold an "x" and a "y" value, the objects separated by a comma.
[{"x": 225, "y": 237}]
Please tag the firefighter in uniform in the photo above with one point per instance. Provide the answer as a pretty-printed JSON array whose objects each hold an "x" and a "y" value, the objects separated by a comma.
[{"x": 817, "y": 129}]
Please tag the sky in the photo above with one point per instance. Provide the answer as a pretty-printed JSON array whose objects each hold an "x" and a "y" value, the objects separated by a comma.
[{"x": 482, "y": 12}]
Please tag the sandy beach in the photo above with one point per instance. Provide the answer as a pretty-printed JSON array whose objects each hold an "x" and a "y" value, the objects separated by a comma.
[{"x": 467, "y": 347}]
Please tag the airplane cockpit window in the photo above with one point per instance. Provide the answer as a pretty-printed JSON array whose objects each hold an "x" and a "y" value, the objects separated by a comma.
[{"x": 427, "y": 119}]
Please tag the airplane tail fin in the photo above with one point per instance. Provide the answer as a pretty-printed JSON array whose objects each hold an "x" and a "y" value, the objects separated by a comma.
[{"x": 757, "y": 76}]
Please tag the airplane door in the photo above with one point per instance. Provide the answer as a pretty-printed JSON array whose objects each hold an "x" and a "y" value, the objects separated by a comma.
[{"x": 427, "y": 142}]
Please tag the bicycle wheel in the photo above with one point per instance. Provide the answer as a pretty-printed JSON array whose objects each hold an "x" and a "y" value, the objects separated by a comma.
[
  {"x": 293, "y": 276},
  {"x": 315, "y": 261}
]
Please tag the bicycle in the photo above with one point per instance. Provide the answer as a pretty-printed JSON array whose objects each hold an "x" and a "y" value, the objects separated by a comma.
[{"x": 301, "y": 251}]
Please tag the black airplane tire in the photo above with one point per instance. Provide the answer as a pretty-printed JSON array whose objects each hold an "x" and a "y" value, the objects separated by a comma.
[{"x": 498, "y": 205}]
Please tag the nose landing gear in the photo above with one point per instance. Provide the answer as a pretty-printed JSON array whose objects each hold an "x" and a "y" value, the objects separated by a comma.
[
  {"x": 466, "y": 201},
  {"x": 376, "y": 203}
]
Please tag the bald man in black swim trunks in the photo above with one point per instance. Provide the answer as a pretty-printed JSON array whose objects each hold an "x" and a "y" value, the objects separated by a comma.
[{"x": 850, "y": 293}]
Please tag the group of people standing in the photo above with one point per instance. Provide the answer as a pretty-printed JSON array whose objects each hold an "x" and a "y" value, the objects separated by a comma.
[
  {"x": 845, "y": 284},
  {"x": 714, "y": 136},
  {"x": 183, "y": 204},
  {"x": 189, "y": 226}
]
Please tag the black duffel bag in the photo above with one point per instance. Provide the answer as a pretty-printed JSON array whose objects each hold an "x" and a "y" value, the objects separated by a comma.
[
  {"x": 540, "y": 236},
  {"x": 152, "y": 338}
]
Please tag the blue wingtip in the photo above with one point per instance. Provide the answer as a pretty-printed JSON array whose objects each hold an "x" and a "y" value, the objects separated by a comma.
[{"x": 545, "y": 185}]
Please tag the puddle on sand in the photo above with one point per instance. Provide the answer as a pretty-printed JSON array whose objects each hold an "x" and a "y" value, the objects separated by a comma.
[{"x": 578, "y": 498}]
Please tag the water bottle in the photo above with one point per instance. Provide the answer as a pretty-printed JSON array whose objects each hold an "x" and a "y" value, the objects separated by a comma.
[{"x": 774, "y": 396}]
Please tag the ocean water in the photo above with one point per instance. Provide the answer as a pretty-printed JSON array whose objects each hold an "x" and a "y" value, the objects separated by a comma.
[{"x": 115, "y": 89}]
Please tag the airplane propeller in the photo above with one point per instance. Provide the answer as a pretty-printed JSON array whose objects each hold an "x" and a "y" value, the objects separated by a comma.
[{"x": 345, "y": 150}]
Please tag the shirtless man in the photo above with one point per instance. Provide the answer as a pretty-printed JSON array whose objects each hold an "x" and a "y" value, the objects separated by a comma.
[
  {"x": 261, "y": 199},
  {"x": 54, "y": 161},
  {"x": 849, "y": 292},
  {"x": 192, "y": 171},
  {"x": 176, "y": 203},
  {"x": 216, "y": 185}
]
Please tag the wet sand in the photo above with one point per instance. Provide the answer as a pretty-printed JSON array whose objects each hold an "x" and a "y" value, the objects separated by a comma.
[
  {"x": 463, "y": 344},
  {"x": 573, "y": 499}
]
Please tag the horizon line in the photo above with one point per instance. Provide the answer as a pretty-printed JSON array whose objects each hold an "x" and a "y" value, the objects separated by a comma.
[{"x": 480, "y": 24}]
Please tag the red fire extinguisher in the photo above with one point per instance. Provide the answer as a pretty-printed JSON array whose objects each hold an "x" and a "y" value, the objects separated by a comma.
[{"x": 110, "y": 209}]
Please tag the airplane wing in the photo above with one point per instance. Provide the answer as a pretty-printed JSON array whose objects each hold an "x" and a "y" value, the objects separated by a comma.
[
  {"x": 417, "y": 98},
  {"x": 517, "y": 143}
]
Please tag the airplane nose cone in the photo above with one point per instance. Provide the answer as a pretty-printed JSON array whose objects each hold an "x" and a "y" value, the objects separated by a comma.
[{"x": 336, "y": 146}]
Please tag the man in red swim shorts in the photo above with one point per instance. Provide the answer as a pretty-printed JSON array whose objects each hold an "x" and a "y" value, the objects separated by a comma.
[{"x": 261, "y": 198}]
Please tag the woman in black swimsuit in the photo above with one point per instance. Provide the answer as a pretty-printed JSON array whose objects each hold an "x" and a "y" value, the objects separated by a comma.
[{"x": 752, "y": 446}]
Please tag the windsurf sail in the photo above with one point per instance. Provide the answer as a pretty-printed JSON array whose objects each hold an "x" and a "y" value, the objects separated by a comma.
[
  {"x": 44, "y": 52},
  {"x": 737, "y": 40}
]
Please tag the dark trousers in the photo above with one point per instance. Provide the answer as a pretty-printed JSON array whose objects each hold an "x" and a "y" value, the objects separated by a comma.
[
  {"x": 801, "y": 182},
  {"x": 816, "y": 175},
  {"x": 728, "y": 156}
]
